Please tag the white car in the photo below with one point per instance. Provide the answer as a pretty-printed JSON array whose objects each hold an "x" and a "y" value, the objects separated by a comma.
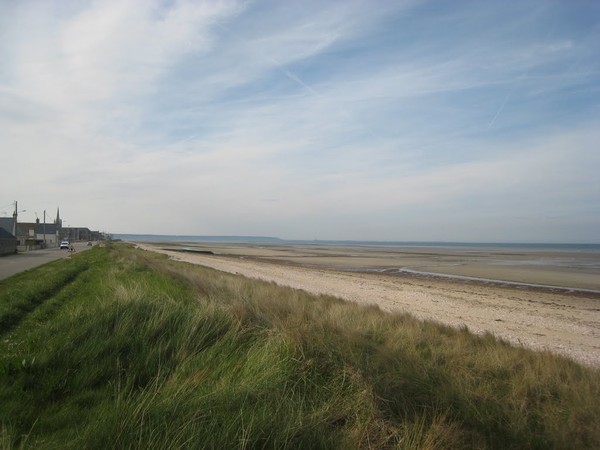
[{"x": 64, "y": 244}]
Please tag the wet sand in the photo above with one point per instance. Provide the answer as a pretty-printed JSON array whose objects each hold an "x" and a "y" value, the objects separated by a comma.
[
  {"x": 564, "y": 319},
  {"x": 560, "y": 268}
]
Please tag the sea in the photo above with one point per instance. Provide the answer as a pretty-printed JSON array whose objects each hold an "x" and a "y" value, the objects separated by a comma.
[
  {"x": 583, "y": 258},
  {"x": 266, "y": 240}
]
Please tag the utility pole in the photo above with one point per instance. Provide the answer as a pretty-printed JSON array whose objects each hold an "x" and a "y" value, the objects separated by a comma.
[
  {"x": 15, "y": 221},
  {"x": 15, "y": 216},
  {"x": 44, "y": 227}
]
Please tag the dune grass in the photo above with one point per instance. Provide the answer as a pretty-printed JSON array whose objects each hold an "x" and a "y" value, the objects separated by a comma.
[{"x": 120, "y": 348}]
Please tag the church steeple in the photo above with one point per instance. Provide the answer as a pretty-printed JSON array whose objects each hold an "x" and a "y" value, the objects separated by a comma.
[{"x": 58, "y": 221}]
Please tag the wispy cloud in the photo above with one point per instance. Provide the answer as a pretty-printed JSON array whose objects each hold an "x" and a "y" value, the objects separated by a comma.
[{"x": 336, "y": 120}]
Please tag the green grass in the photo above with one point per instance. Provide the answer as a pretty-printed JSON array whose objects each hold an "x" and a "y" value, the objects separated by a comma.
[{"x": 120, "y": 348}]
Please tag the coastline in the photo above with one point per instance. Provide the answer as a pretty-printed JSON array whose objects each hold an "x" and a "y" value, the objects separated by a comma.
[
  {"x": 563, "y": 269},
  {"x": 498, "y": 282},
  {"x": 540, "y": 319}
]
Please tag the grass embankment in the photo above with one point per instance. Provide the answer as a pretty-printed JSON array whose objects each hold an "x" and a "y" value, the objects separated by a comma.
[{"x": 117, "y": 347}]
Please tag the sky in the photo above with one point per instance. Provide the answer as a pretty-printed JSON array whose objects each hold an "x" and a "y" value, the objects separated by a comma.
[{"x": 471, "y": 121}]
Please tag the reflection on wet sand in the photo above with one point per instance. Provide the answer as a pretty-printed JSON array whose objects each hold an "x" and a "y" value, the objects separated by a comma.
[{"x": 566, "y": 268}]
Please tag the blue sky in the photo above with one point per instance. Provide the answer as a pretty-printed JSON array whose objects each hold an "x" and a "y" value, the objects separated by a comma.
[{"x": 369, "y": 120}]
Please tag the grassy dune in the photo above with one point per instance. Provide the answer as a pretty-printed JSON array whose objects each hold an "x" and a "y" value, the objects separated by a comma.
[{"x": 116, "y": 347}]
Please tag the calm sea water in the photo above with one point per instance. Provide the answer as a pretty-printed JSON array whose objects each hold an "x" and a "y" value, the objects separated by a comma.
[{"x": 266, "y": 240}]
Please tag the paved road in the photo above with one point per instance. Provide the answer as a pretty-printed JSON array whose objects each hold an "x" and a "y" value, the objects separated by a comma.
[{"x": 13, "y": 264}]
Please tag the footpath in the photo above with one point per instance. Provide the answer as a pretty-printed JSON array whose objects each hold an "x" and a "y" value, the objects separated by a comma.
[{"x": 13, "y": 264}]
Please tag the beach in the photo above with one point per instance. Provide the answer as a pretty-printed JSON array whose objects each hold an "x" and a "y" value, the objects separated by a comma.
[{"x": 547, "y": 300}]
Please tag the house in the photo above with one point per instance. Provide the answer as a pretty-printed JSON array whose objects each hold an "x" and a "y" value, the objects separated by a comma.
[
  {"x": 8, "y": 243},
  {"x": 48, "y": 234},
  {"x": 79, "y": 234},
  {"x": 35, "y": 234},
  {"x": 26, "y": 234},
  {"x": 25, "y": 231}
]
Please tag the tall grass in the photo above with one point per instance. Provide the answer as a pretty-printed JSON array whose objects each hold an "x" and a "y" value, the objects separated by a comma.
[{"x": 139, "y": 351}]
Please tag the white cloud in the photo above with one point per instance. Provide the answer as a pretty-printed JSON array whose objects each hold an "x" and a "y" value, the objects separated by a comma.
[
  {"x": 110, "y": 53},
  {"x": 334, "y": 121}
]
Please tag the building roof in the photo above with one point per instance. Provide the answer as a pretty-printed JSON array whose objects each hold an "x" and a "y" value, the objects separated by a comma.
[
  {"x": 22, "y": 227},
  {"x": 26, "y": 225},
  {"x": 50, "y": 228},
  {"x": 6, "y": 236},
  {"x": 6, "y": 223}
]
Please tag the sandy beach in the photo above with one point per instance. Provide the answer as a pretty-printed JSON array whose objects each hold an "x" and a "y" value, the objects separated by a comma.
[{"x": 564, "y": 319}]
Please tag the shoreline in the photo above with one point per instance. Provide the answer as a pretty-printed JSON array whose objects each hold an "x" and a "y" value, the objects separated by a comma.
[
  {"x": 497, "y": 282},
  {"x": 551, "y": 268},
  {"x": 539, "y": 319},
  {"x": 416, "y": 274}
]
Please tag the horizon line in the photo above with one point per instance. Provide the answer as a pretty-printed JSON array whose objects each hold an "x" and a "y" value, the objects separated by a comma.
[{"x": 375, "y": 241}]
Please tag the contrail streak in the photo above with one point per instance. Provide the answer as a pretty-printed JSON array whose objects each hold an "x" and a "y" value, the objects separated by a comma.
[
  {"x": 519, "y": 78},
  {"x": 501, "y": 108},
  {"x": 274, "y": 62}
]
